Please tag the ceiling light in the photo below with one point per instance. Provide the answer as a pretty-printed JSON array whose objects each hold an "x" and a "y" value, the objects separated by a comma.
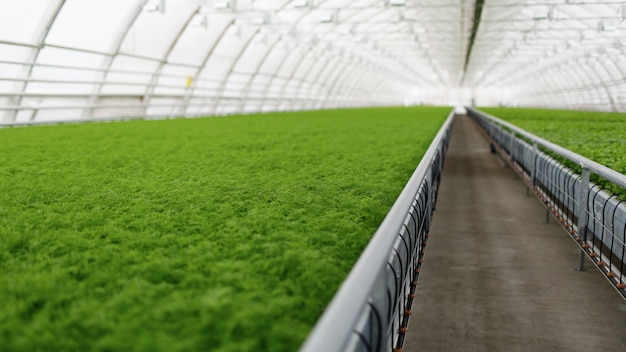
[
  {"x": 155, "y": 6},
  {"x": 301, "y": 4},
  {"x": 222, "y": 5},
  {"x": 326, "y": 19},
  {"x": 200, "y": 21}
]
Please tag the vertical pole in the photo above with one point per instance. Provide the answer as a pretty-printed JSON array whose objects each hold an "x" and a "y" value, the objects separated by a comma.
[
  {"x": 512, "y": 150},
  {"x": 582, "y": 209},
  {"x": 533, "y": 168},
  {"x": 512, "y": 153},
  {"x": 429, "y": 199}
]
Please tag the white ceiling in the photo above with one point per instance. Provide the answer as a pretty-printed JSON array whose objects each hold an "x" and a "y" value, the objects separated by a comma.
[{"x": 86, "y": 59}]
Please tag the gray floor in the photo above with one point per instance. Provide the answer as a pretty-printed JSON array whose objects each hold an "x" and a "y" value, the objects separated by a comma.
[{"x": 496, "y": 277}]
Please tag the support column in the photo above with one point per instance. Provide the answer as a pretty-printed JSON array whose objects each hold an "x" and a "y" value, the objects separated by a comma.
[{"x": 583, "y": 200}]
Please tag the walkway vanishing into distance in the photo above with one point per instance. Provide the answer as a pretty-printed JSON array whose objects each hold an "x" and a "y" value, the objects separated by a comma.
[{"x": 496, "y": 277}]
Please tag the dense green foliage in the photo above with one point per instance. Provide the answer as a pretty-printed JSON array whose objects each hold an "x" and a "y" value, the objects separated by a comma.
[
  {"x": 221, "y": 234},
  {"x": 599, "y": 136}
]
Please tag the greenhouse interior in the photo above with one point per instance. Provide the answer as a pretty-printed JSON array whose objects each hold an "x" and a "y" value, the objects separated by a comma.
[{"x": 312, "y": 175}]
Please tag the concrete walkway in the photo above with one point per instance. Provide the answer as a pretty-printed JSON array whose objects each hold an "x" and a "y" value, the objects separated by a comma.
[{"x": 496, "y": 277}]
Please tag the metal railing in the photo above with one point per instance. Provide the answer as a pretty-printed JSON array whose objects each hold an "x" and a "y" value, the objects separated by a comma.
[
  {"x": 371, "y": 310},
  {"x": 593, "y": 217}
]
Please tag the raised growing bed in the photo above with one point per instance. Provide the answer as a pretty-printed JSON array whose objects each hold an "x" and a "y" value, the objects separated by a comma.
[
  {"x": 599, "y": 136},
  {"x": 193, "y": 234}
]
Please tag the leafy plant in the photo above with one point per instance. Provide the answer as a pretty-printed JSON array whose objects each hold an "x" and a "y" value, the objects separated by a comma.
[
  {"x": 599, "y": 136},
  {"x": 221, "y": 234}
]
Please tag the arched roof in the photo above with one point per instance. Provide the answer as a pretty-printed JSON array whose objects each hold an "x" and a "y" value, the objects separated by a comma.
[{"x": 91, "y": 59}]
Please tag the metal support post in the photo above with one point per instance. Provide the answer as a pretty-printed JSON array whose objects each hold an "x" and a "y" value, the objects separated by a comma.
[
  {"x": 511, "y": 148},
  {"x": 512, "y": 152},
  {"x": 533, "y": 168},
  {"x": 583, "y": 199}
]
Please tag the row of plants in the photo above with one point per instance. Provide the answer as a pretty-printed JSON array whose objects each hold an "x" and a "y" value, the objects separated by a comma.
[
  {"x": 599, "y": 136},
  {"x": 221, "y": 234}
]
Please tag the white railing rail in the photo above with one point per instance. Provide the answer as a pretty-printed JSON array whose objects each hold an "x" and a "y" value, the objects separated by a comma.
[
  {"x": 371, "y": 309},
  {"x": 598, "y": 169}
]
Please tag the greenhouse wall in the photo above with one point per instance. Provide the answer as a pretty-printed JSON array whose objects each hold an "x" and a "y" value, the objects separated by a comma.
[{"x": 81, "y": 60}]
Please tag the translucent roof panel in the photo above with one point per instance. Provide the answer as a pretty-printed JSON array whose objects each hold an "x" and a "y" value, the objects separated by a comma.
[
  {"x": 88, "y": 59},
  {"x": 91, "y": 25},
  {"x": 21, "y": 21},
  {"x": 561, "y": 54},
  {"x": 154, "y": 33}
]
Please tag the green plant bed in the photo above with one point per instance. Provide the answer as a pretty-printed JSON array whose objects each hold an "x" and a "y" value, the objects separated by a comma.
[
  {"x": 599, "y": 136},
  {"x": 220, "y": 234}
]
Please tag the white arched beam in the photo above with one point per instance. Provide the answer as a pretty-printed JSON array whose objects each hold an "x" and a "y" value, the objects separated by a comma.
[
  {"x": 121, "y": 35},
  {"x": 157, "y": 73},
  {"x": 289, "y": 79},
  {"x": 196, "y": 77},
  {"x": 329, "y": 79},
  {"x": 40, "y": 40},
  {"x": 271, "y": 82},
  {"x": 222, "y": 86},
  {"x": 263, "y": 57}
]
